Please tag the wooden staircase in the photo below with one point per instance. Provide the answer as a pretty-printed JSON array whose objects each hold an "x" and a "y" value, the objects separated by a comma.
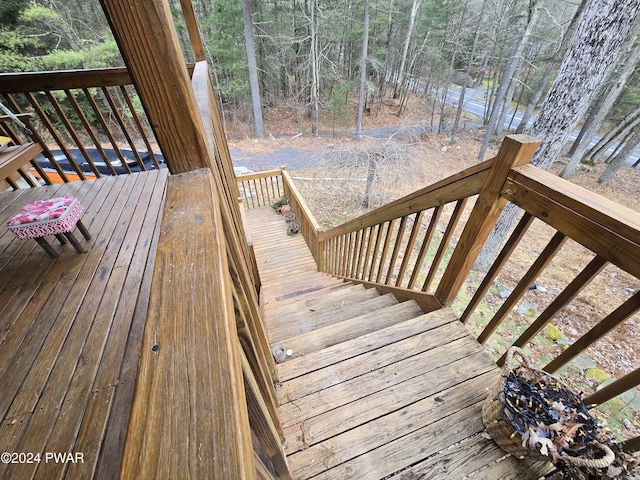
[{"x": 374, "y": 387}]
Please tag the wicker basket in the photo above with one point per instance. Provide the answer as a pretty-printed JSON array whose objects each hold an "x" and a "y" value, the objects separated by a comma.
[
  {"x": 497, "y": 423},
  {"x": 502, "y": 430}
]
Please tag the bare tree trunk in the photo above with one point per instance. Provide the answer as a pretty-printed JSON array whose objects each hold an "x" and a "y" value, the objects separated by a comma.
[
  {"x": 253, "y": 68},
  {"x": 505, "y": 107},
  {"x": 620, "y": 159},
  {"x": 510, "y": 70},
  {"x": 564, "y": 45},
  {"x": 604, "y": 26},
  {"x": 405, "y": 48},
  {"x": 620, "y": 131},
  {"x": 456, "y": 121},
  {"x": 363, "y": 73},
  {"x": 314, "y": 67},
  {"x": 601, "y": 110},
  {"x": 528, "y": 113}
]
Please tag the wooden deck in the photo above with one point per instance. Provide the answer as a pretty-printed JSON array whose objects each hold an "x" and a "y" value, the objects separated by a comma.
[
  {"x": 70, "y": 329},
  {"x": 375, "y": 388}
]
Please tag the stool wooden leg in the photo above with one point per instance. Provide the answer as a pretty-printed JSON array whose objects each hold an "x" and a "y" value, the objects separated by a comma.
[
  {"x": 47, "y": 248},
  {"x": 74, "y": 242},
  {"x": 61, "y": 238},
  {"x": 83, "y": 230}
]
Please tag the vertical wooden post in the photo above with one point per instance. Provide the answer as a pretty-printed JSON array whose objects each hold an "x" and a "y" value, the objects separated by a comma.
[
  {"x": 149, "y": 44},
  {"x": 194, "y": 32},
  {"x": 515, "y": 150}
]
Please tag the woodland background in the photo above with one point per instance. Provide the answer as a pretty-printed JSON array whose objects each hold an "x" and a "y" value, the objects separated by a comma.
[{"x": 308, "y": 56}]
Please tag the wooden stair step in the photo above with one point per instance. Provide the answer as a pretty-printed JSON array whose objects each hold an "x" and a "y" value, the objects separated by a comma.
[
  {"x": 352, "y": 328},
  {"x": 292, "y": 286},
  {"x": 338, "y": 353},
  {"x": 330, "y": 298},
  {"x": 427, "y": 380},
  {"x": 367, "y": 362},
  {"x": 415, "y": 430},
  {"x": 281, "y": 267},
  {"x": 294, "y": 283},
  {"x": 313, "y": 292},
  {"x": 301, "y": 322},
  {"x": 342, "y": 395},
  {"x": 319, "y": 288},
  {"x": 478, "y": 456}
]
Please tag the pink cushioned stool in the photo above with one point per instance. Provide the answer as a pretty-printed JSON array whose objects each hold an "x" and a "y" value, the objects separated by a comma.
[{"x": 57, "y": 216}]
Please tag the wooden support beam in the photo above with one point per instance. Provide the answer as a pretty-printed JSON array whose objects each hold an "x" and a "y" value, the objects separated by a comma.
[
  {"x": 193, "y": 29},
  {"x": 516, "y": 150},
  {"x": 149, "y": 44}
]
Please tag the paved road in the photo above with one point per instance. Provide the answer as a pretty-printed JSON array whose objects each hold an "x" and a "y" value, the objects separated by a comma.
[
  {"x": 295, "y": 159},
  {"x": 474, "y": 102}
]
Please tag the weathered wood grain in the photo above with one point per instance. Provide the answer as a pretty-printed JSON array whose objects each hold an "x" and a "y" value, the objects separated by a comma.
[
  {"x": 68, "y": 356},
  {"x": 189, "y": 388}
]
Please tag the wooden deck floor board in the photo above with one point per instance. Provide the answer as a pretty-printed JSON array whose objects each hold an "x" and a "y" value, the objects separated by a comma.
[
  {"x": 373, "y": 401},
  {"x": 70, "y": 355}
]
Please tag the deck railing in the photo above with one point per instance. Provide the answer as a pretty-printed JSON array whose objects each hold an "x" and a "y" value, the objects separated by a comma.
[
  {"x": 92, "y": 117},
  {"x": 423, "y": 246},
  {"x": 216, "y": 339},
  {"x": 263, "y": 189},
  {"x": 90, "y": 122}
]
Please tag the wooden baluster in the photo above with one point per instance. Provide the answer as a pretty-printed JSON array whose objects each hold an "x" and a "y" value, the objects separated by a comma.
[
  {"x": 417, "y": 223},
  {"x": 115, "y": 112},
  {"x": 513, "y": 241},
  {"x": 103, "y": 123},
  {"x": 254, "y": 192},
  {"x": 341, "y": 251},
  {"x": 90, "y": 130},
  {"x": 385, "y": 249},
  {"x": 141, "y": 132},
  {"x": 396, "y": 249},
  {"x": 444, "y": 243},
  {"x": 72, "y": 133},
  {"x": 44, "y": 118},
  {"x": 594, "y": 267},
  {"x": 264, "y": 197},
  {"x": 360, "y": 241},
  {"x": 619, "y": 315},
  {"x": 374, "y": 254},
  {"x": 367, "y": 256},
  {"x": 552, "y": 248},
  {"x": 350, "y": 254},
  {"x": 621, "y": 385},
  {"x": 426, "y": 242}
]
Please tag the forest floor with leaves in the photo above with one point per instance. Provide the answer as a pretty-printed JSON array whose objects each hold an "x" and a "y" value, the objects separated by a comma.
[{"x": 334, "y": 188}]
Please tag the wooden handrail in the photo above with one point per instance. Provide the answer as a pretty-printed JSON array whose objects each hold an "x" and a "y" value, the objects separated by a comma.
[
  {"x": 606, "y": 228},
  {"x": 309, "y": 226},
  {"x": 24, "y": 82},
  {"x": 189, "y": 389},
  {"x": 463, "y": 184},
  {"x": 258, "y": 175}
]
